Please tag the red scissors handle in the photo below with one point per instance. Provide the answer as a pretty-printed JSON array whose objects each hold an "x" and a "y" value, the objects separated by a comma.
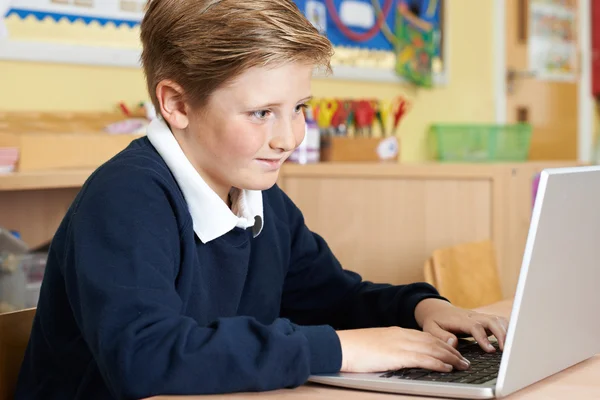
[
  {"x": 364, "y": 113},
  {"x": 341, "y": 114},
  {"x": 399, "y": 110}
]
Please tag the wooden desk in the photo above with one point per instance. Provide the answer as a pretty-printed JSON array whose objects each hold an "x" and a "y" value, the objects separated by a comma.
[{"x": 578, "y": 382}]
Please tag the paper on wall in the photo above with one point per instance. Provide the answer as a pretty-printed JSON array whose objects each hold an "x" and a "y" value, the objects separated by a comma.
[
  {"x": 357, "y": 14},
  {"x": 4, "y": 7},
  {"x": 553, "y": 40}
]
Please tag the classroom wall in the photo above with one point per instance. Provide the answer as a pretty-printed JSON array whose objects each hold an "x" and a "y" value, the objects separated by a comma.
[{"x": 467, "y": 97}]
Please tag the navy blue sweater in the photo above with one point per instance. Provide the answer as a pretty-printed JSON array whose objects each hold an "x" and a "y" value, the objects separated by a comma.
[{"x": 133, "y": 304}]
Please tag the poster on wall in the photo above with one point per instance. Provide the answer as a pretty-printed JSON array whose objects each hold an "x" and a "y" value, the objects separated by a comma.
[
  {"x": 360, "y": 30},
  {"x": 88, "y": 32},
  {"x": 4, "y": 7},
  {"x": 402, "y": 36},
  {"x": 553, "y": 40},
  {"x": 373, "y": 39},
  {"x": 418, "y": 40}
]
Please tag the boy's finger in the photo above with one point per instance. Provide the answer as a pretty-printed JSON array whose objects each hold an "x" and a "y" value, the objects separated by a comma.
[
  {"x": 480, "y": 335},
  {"x": 495, "y": 326},
  {"x": 449, "y": 355},
  {"x": 420, "y": 360},
  {"x": 441, "y": 334},
  {"x": 426, "y": 342}
]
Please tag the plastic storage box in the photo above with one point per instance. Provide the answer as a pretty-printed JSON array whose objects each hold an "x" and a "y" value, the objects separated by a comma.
[
  {"x": 20, "y": 280},
  {"x": 480, "y": 143}
]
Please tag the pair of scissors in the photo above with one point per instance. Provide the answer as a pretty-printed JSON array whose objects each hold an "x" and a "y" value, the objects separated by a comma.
[
  {"x": 381, "y": 114},
  {"x": 342, "y": 118},
  {"x": 364, "y": 114},
  {"x": 326, "y": 110},
  {"x": 399, "y": 108},
  {"x": 386, "y": 110}
]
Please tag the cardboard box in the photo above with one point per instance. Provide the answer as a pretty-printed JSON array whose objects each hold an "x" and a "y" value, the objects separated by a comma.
[{"x": 357, "y": 149}]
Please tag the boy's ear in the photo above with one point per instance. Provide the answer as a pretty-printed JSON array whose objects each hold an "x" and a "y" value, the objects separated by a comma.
[{"x": 172, "y": 105}]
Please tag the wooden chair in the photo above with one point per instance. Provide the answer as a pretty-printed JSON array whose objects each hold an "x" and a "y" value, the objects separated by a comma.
[
  {"x": 465, "y": 274},
  {"x": 15, "y": 329}
]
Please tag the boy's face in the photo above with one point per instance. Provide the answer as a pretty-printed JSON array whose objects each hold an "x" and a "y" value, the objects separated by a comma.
[{"x": 249, "y": 128}]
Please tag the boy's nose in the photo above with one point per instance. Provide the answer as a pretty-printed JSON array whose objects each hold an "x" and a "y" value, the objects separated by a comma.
[{"x": 284, "y": 138}]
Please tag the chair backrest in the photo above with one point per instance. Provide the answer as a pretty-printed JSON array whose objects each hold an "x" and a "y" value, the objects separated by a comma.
[
  {"x": 15, "y": 328},
  {"x": 465, "y": 274}
]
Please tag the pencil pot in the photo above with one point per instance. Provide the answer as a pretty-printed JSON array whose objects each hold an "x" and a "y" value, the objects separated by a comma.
[
  {"x": 480, "y": 143},
  {"x": 359, "y": 149}
]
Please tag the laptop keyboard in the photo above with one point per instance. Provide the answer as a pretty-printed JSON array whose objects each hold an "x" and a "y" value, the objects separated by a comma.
[{"x": 484, "y": 368}]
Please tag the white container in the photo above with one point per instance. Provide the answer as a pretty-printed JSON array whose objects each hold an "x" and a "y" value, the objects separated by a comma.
[{"x": 309, "y": 150}]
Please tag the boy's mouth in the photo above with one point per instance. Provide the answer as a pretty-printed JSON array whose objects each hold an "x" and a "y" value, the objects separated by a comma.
[{"x": 271, "y": 163}]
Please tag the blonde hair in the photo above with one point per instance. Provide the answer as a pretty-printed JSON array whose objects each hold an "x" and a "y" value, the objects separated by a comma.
[{"x": 204, "y": 44}]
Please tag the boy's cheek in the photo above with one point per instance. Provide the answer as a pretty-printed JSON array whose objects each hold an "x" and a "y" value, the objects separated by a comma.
[{"x": 243, "y": 142}]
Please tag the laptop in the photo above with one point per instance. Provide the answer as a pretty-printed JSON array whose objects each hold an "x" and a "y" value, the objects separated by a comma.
[{"x": 554, "y": 321}]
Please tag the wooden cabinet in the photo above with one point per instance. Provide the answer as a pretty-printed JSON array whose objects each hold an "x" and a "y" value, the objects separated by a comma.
[
  {"x": 383, "y": 221},
  {"x": 34, "y": 203}
]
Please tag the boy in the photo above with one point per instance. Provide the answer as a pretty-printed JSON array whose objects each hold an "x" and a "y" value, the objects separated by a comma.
[{"x": 181, "y": 268}]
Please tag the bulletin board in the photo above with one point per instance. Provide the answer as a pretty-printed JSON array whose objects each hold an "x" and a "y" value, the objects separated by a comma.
[
  {"x": 117, "y": 12},
  {"x": 365, "y": 33},
  {"x": 359, "y": 16},
  {"x": 88, "y": 32},
  {"x": 106, "y": 32},
  {"x": 356, "y": 15}
]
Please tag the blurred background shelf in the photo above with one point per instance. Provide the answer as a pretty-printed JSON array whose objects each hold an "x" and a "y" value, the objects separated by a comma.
[
  {"x": 381, "y": 219},
  {"x": 39, "y": 180}
]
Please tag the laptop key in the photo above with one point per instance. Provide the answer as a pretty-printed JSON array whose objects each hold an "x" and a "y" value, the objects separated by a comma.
[
  {"x": 484, "y": 368},
  {"x": 412, "y": 374},
  {"x": 447, "y": 378}
]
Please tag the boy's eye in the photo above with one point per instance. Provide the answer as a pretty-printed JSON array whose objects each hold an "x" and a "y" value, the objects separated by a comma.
[
  {"x": 301, "y": 107},
  {"x": 261, "y": 114}
]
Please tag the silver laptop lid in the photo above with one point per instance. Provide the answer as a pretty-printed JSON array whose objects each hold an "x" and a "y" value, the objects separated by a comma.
[{"x": 555, "y": 322}]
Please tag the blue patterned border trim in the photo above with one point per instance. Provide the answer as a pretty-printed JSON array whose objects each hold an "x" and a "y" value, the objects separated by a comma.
[{"x": 40, "y": 15}]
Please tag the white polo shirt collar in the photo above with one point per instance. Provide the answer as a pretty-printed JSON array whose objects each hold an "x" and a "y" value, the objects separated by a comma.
[{"x": 212, "y": 218}]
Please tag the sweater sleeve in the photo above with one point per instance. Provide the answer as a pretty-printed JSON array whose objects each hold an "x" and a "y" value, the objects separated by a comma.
[
  {"x": 318, "y": 290},
  {"x": 120, "y": 269}
]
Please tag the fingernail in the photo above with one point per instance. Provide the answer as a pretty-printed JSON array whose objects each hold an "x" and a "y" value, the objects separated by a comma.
[
  {"x": 490, "y": 347},
  {"x": 448, "y": 367},
  {"x": 465, "y": 363},
  {"x": 451, "y": 341}
]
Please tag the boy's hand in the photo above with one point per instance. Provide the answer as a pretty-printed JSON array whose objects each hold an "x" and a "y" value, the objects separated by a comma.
[
  {"x": 386, "y": 349},
  {"x": 443, "y": 320}
]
